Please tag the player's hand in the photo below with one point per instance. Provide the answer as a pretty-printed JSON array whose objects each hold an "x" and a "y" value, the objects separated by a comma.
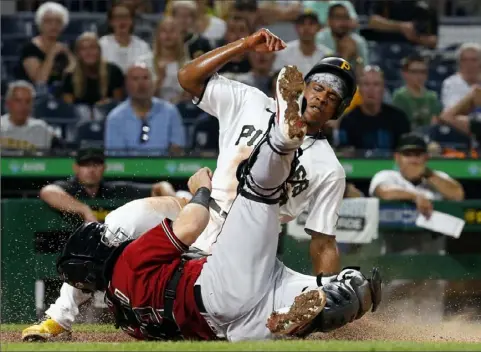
[
  {"x": 202, "y": 178},
  {"x": 59, "y": 48},
  {"x": 424, "y": 206},
  {"x": 264, "y": 41}
]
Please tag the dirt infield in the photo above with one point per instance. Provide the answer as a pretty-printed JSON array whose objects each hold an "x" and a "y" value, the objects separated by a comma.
[{"x": 369, "y": 328}]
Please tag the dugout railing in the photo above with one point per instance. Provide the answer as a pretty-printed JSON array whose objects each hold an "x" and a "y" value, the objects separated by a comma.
[{"x": 33, "y": 234}]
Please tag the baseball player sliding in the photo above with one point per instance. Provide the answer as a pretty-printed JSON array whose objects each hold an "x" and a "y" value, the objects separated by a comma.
[
  {"x": 241, "y": 291},
  {"x": 317, "y": 183}
]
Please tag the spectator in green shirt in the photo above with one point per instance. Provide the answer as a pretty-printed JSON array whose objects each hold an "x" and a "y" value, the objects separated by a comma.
[
  {"x": 340, "y": 38},
  {"x": 421, "y": 105}
]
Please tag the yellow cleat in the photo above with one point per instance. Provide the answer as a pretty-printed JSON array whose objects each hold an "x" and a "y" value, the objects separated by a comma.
[{"x": 46, "y": 330}]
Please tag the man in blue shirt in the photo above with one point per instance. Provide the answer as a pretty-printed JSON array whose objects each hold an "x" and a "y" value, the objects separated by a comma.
[{"x": 144, "y": 124}]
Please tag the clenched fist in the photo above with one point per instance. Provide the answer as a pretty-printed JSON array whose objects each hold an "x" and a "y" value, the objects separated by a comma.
[
  {"x": 264, "y": 41},
  {"x": 202, "y": 178}
]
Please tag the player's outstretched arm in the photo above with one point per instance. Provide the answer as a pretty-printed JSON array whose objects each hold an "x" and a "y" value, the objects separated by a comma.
[
  {"x": 193, "y": 76},
  {"x": 194, "y": 217}
]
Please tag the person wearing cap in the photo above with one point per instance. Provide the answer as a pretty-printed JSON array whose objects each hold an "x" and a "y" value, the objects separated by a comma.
[
  {"x": 414, "y": 181},
  {"x": 87, "y": 183},
  {"x": 339, "y": 37},
  {"x": 304, "y": 51}
]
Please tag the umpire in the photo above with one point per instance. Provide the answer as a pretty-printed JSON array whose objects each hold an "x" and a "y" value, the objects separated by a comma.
[{"x": 67, "y": 196}]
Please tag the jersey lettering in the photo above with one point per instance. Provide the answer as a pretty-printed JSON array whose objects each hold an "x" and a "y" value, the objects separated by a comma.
[{"x": 249, "y": 131}]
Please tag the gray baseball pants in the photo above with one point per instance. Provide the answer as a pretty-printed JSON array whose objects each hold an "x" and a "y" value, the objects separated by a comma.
[{"x": 243, "y": 282}]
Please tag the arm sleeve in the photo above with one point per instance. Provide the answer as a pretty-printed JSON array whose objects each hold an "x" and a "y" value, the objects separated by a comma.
[
  {"x": 141, "y": 217},
  {"x": 177, "y": 135},
  {"x": 29, "y": 50},
  {"x": 223, "y": 98},
  {"x": 381, "y": 178},
  {"x": 324, "y": 207}
]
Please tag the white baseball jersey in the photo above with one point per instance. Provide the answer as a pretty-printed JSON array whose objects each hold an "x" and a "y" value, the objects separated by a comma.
[
  {"x": 394, "y": 180},
  {"x": 244, "y": 114}
]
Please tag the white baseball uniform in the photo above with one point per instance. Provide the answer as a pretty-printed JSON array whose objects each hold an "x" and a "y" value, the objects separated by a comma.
[{"x": 243, "y": 114}]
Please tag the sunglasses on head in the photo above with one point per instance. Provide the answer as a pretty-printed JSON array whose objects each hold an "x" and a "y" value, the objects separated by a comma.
[{"x": 372, "y": 68}]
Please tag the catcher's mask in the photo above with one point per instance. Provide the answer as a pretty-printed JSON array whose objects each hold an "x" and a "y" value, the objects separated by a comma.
[
  {"x": 342, "y": 69},
  {"x": 82, "y": 260}
]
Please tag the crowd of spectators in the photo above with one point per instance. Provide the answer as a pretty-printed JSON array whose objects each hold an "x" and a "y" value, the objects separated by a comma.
[{"x": 116, "y": 84}]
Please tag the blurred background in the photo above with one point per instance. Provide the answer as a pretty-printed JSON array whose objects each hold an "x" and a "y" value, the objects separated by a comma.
[{"x": 76, "y": 75}]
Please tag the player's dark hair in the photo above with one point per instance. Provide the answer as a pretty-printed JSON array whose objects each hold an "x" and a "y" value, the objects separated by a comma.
[
  {"x": 330, "y": 13},
  {"x": 408, "y": 60}
]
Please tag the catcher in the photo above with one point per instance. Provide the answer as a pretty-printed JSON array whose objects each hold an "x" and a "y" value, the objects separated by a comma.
[{"x": 239, "y": 292}]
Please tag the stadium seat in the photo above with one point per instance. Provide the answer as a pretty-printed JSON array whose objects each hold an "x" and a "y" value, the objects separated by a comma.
[
  {"x": 90, "y": 133},
  {"x": 14, "y": 27},
  {"x": 58, "y": 114},
  {"x": 449, "y": 137},
  {"x": 205, "y": 134}
]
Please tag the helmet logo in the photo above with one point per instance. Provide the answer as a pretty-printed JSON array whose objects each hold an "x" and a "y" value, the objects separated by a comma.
[{"x": 345, "y": 66}]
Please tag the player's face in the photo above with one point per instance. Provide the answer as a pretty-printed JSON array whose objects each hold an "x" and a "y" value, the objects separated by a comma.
[
  {"x": 411, "y": 163},
  {"x": 322, "y": 103},
  {"x": 122, "y": 20},
  {"x": 307, "y": 30},
  {"x": 416, "y": 74},
  {"x": 89, "y": 173},
  {"x": 185, "y": 18},
  {"x": 20, "y": 105},
  {"x": 339, "y": 21},
  {"x": 139, "y": 83},
  {"x": 52, "y": 25},
  {"x": 371, "y": 88},
  {"x": 88, "y": 51}
]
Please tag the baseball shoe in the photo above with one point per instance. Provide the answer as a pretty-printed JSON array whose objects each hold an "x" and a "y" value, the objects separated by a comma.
[
  {"x": 46, "y": 330},
  {"x": 289, "y": 95},
  {"x": 294, "y": 320}
]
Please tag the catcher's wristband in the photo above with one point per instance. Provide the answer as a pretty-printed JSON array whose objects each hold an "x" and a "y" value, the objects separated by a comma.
[{"x": 202, "y": 197}]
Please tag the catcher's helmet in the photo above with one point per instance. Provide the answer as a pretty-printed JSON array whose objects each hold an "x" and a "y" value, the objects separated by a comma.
[
  {"x": 82, "y": 260},
  {"x": 341, "y": 68}
]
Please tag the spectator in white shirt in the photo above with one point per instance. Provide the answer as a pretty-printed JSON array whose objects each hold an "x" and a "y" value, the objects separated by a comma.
[
  {"x": 303, "y": 52},
  {"x": 168, "y": 56},
  {"x": 19, "y": 130},
  {"x": 415, "y": 182},
  {"x": 122, "y": 47},
  {"x": 211, "y": 27},
  {"x": 457, "y": 86}
]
